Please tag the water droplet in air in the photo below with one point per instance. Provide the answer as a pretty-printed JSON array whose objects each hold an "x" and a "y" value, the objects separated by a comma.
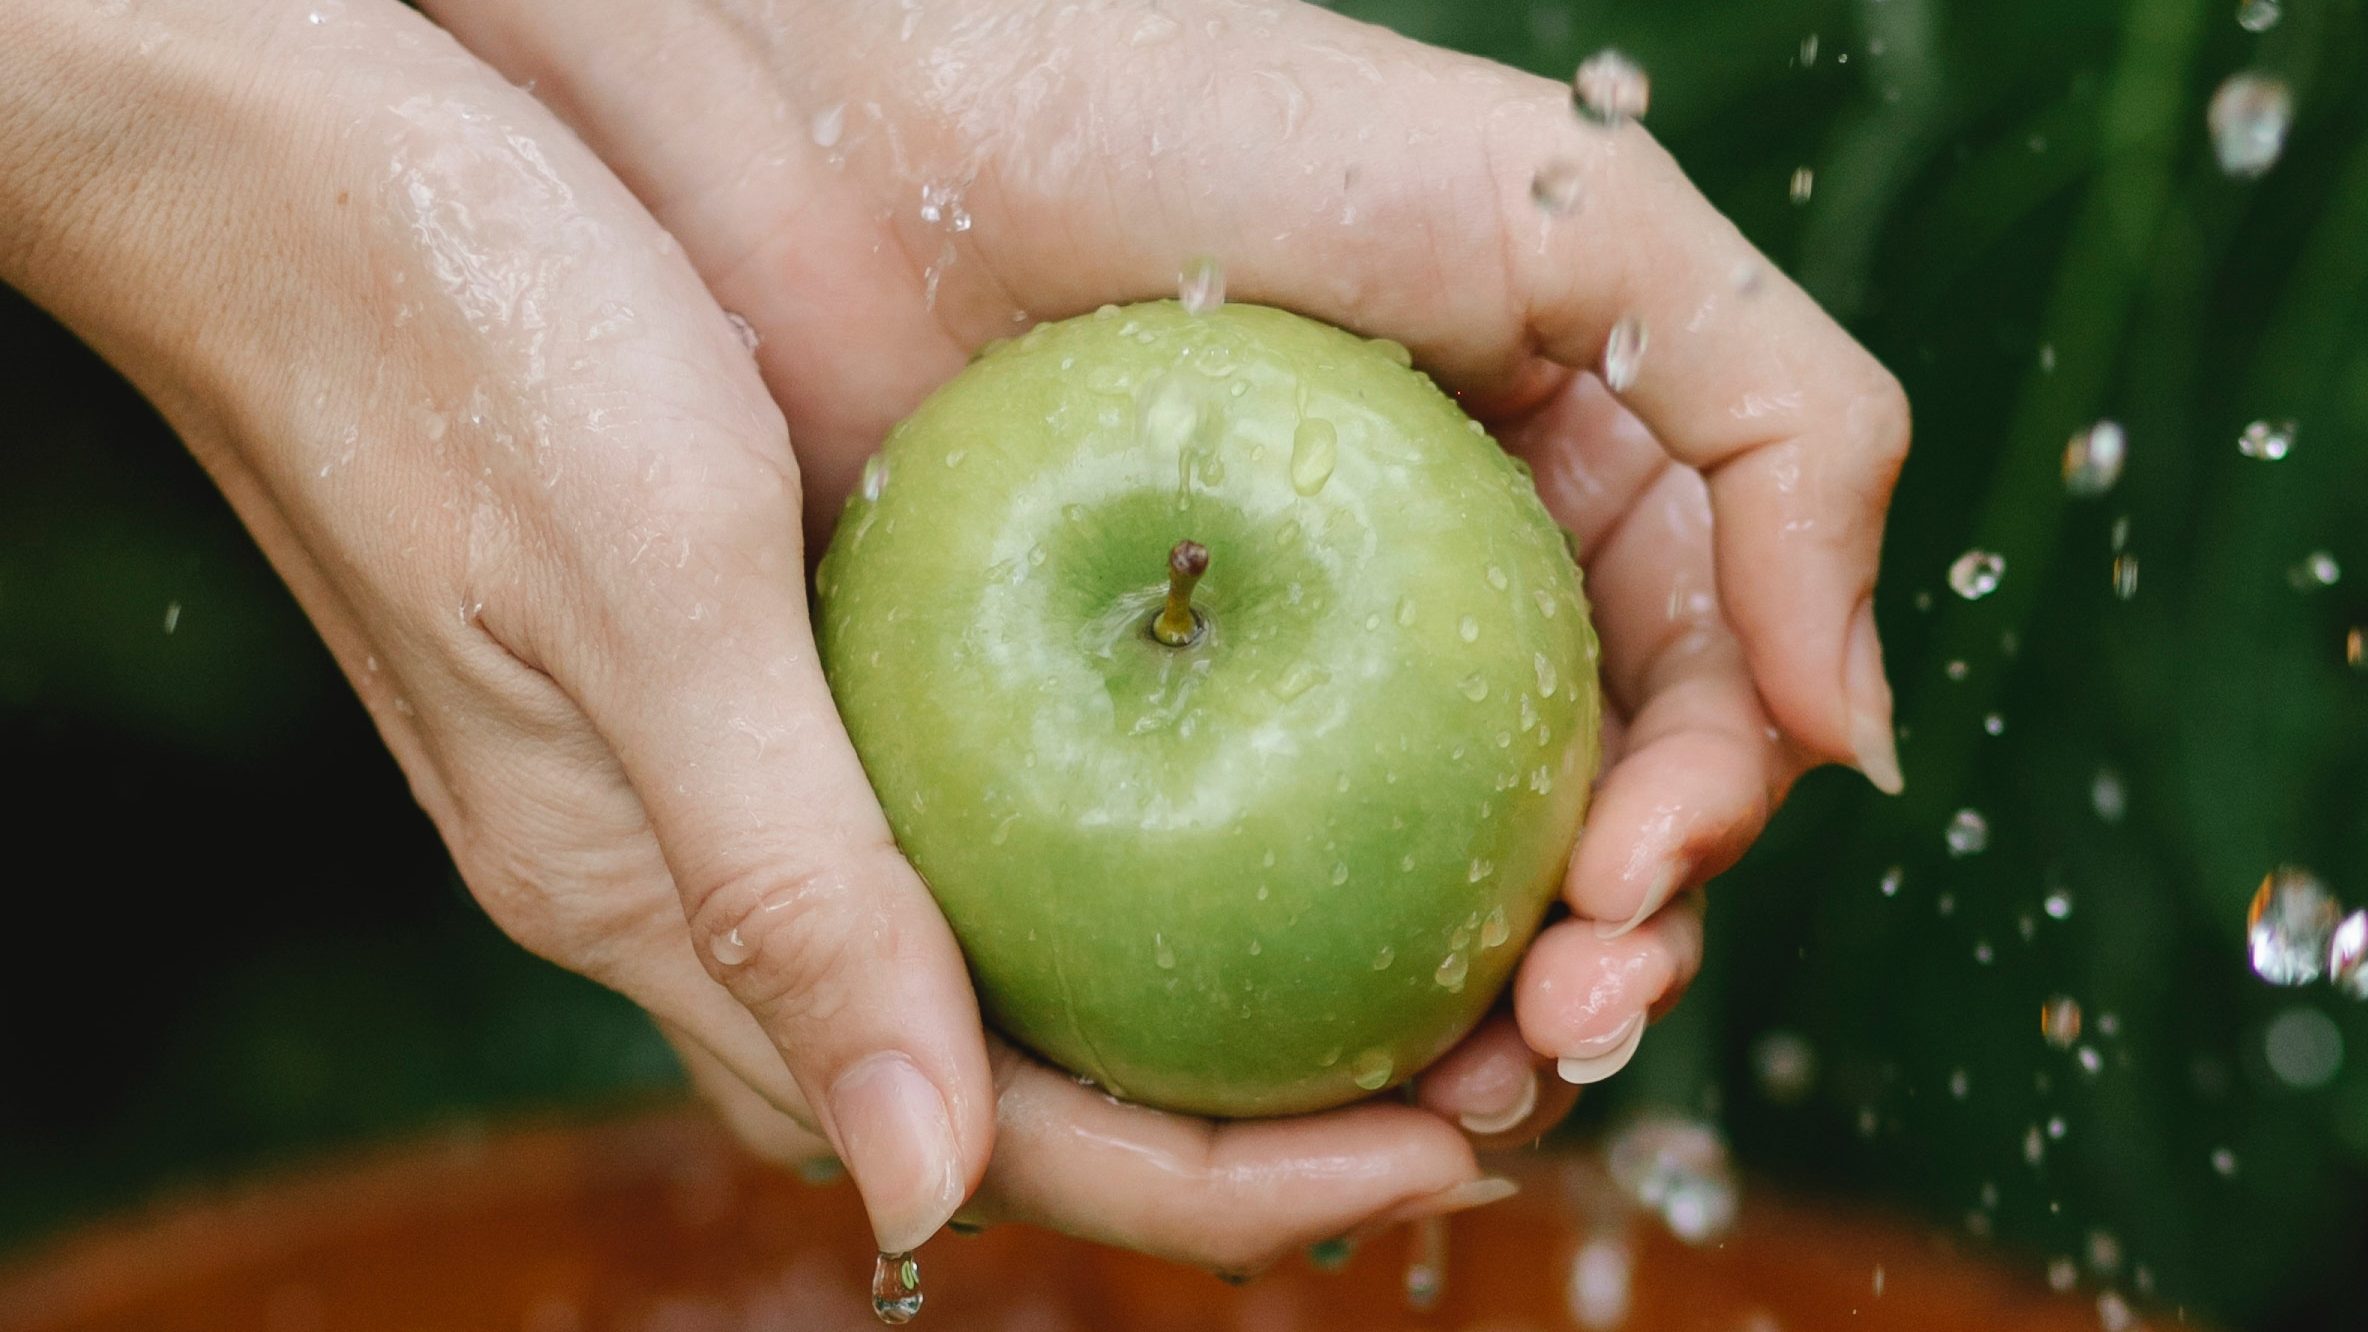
[
  {"x": 1968, "y": 833},
  {"x": 1994, "y": 724},
  {"x": 1201, "y": 284},
  {"x": 172, "y": 621},
  {"x": 1623, "y": 354},
  {"x": 1598, "y": 1290},
  {"x": 1892, "y": 878},
  {"x": 1975, "y": 574},
  {"x": 2248, "y": 118},
  {"x": 1610, "y": 89},
  {"x": 1451, "y": 972},
  {"x": 2059, "y": 1021},
  {"x": 875, "y": 477},
  {"x": 2090, "y": 1061},
  {"x": 1371, "y": 1070},
  {"x": 2347, "y": 955},
  {"x": 2258, "y": 15},
  {"x": 2057, "y": 904},
  {"x": 1474, "y": 687},
  {"x": 1468, "y": 629},
  {"x": 1557, "y": 187},
  {"x": 1786, "y": 1065},
  {"x": 1808, "y": 50},
  {"x": 2125, "y": 575},
  {"x": 2062, "y": 1274},
  {"x": 2223, "y": 1162},
  {"x": 1804, "y": 183},
  {"x": 729, "y": 949},
  {"x": 896, "y": 1287},
  {"x": 2289, "y": 926},
  {"x": 1315, "y": 449},
  {"x": 2267, "y": 440},
  {"x": 2093, "y": 458},
  {"x": 2303, "y": 1047},
  {"x": 1678, "y": 1170},
  {"x": 2317, "y": 569},
  {"x": 2107, "y": 797},
  {"x": 1426, "y": 1266}
]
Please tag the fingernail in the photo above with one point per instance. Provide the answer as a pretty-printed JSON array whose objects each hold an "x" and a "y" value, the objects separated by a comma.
[
  {"x": 1462, "y": 1198},
  {"x": 1483, "y": 1125},
  {"x": 892, "y": 1130},
  {"x": 1597, "y": 1059},
  {"x": 1869, "y": 697},
  {"x": 1664, "y": 883}
]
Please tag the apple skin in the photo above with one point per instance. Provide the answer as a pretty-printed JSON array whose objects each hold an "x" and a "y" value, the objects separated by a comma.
[{"x": 1292, "y": 863}]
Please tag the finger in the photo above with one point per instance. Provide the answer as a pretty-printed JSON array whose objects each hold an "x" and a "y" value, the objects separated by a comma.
[
  {"x": 1495, "y": 1086},
  {"x": 760, "y": 1126},
  {"x": 1584, "y": 1000},
  {"x": 797, "y": 900},
  {"x": 1232, "y": 1196}
]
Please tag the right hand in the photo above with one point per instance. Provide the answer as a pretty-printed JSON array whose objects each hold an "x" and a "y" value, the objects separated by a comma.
[{"x": 513, "y": 461}]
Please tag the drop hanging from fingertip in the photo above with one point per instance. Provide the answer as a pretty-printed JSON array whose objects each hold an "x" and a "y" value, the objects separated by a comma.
[{"x": 896, "y": 1288}]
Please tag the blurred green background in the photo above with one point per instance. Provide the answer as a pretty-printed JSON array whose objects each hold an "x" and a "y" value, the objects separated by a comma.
[{"x": 232, "y": 938}]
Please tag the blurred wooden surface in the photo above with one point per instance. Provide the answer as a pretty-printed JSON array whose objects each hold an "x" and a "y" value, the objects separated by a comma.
[{"x": 657, "y": 1224}]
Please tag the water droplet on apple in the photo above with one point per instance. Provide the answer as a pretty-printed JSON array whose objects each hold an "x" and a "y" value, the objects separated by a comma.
[
  {"x": 1339, "y": 873},
  {"x": 1372, "y": 1070},
  {"x": 1474, "y": 687},
  {"x": 1541, "y": 781},
  {"x": 1161, "y": 953},
  {"x": 1451, "y": 971},
  {"x": 1373, "y": 622},
  {"x": 896, "y": 1288},
  {"x": 1480, "y": 869},
  {"x": 1548, "y": 682},
  {"x": 1405, "y": 611},
  {"x": 875, "y": 477},
  {"x": 1201, "y": 285},
  {"x": 954, "y": 457},
  {"x": 1298, "y": 679},
  {"x": 1468, "y": 629},
  {"x": 729, "y": 949},
  {"x": 1494, "y": 931},
  {"x": 1394, "y": 350},
  {"x": 1315, "y": 449},
  {"x": 1547, "y": 606},
  {"x": 1496, "y": 578},
  {"x": 1382, "y": 959}
]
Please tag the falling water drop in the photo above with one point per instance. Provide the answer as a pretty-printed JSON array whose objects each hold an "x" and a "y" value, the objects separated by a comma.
[
  {"x": 2059, "y": 1021},
  {"x": 1610, "y": 89},
  {"x": 2258, "y": 15},
  {"x": 1678, "y": 1170},
  {"x": 1804, "y": 183},
  {"x": 1808, "y": 50},
  {"x": 2317, "y": 569},
  {"x": 896, "y": 1287},
  {"x": 2107, "y": 796},
  {"x": 2268, "y": 441},
  {"x": 2223, "y": 1162},
  {"x": 1200, "y": 286},
  {"x": 2093, "y": 458},
  {"x": 1557, "y": 187},
  {"x": 2057, "y": 904},
  {"x": 1315, "y": 449},
  {"x": 2248, "y": 118},
  {"x": 2125, "y": 575},
  {"x": 2347, "y": 955},
  {"x": 1891, "y": 881},
  {"x": 1786, "y": 1066},
  {"x": 2289, "y": 926},
  {"x": 1976, "y": 574},
  {"x": 1968, "y": 834},
  {"x": 1600, "y": 1279},
  {"x": 1623, "y": 354}
]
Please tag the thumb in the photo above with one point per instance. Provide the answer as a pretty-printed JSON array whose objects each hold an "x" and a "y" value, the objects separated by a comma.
[{"x": 798, "y": 901}]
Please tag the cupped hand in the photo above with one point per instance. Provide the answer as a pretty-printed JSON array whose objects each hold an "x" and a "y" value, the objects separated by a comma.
[{"x": 880, "y": 190}]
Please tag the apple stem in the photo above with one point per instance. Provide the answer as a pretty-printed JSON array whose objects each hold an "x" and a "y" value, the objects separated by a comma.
[{"x": 1178, "y": 624}]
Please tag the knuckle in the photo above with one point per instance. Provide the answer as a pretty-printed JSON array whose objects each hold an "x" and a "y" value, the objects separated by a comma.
[{"x": 790, "y": 942}]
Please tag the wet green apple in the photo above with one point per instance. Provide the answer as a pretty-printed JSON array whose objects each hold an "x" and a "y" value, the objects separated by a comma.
[{"x": 1282, "y": 850}]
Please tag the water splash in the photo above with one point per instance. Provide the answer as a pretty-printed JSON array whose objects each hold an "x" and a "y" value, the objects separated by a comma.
[
  {"x": 2059, "y": 1021},
  {"x": 896, "y": 1287},
  {"x": 1678, "y": 1170},
  {"x": 1610, "y": 89},
  {"x": 2290, "y": 925},
  {"x": 1968, "y": 834},
  {"x": 1557, "y": 188},
  {"x": 1200, "y": 285},
  {"x": 2268, "y": 441},
  {"x": 1976, "y": 574},
  {"x": 2093, "y": 459},
  {"x": 1623, "y": 354},
  {"x": 2248, "y": 117}
]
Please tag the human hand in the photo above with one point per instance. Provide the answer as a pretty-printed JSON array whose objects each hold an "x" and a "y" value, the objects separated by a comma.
[{"x": 879, "y": 190}]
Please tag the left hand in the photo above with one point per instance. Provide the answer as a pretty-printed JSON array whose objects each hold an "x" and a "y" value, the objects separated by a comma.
[{"x": 880, "y": 189}]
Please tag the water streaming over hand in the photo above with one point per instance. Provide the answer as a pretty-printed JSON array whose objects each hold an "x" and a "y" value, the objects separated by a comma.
[
  {"x": 1558, "y": 187},
  {"x": 1623, "y": 354},
  {"x": 1200, "y": 286}
]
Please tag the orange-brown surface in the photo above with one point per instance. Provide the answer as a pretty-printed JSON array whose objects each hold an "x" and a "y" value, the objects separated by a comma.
[{"x": 656, "y": 1224}]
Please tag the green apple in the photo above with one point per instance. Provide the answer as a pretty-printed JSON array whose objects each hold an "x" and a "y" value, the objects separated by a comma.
[{"x": 1283, "y": 849}]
